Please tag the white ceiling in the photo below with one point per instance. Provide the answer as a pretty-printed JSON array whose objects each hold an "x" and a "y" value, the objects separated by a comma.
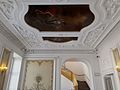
[
  {"x": 78, "y": 68},
  {"x": 107, "y": 15}
]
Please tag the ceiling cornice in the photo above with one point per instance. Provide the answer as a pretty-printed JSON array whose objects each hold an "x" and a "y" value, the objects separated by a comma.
[
  {"x": 10, "y": 36},
  {"x": 60, "y": 51}
]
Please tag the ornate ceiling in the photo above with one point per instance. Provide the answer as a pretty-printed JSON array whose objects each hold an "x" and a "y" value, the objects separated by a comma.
[{"x": 106, "y": 12}]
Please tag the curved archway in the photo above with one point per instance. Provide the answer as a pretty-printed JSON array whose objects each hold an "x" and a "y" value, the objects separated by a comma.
[{"x": 76, "y": 62}]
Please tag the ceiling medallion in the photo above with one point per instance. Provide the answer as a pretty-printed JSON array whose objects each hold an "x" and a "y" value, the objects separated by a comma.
[{"x": 59, "y": 17}]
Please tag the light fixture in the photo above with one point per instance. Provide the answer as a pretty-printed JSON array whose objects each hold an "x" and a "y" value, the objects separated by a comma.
[
  {"x": 118, "y": 68},
  {"x": 3, "y": 68}
]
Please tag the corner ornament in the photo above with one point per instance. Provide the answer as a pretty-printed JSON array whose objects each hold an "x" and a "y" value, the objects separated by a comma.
[
  {"x": 111, "y": 7},
  {"x": 7, "y": 8},
  {"x": 28, "y": 35},
  {"x": 94, "y": 34}
]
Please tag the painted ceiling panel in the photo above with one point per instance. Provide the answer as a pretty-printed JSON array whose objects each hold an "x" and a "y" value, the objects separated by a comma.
[{"x": 59, "y": 17}]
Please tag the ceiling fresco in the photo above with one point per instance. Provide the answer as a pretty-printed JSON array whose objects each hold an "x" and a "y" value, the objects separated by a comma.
[{"x": 59, "y": 17}]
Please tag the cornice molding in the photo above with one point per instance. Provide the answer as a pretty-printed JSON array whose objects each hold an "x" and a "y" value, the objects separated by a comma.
[
  {"x": 29, "y": 35},
  {"x": 28, "y": 52},
  {"x": 10, "y": 36}
]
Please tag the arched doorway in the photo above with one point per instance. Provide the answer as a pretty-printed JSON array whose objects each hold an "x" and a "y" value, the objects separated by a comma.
[{"x": 76, "y": 75}]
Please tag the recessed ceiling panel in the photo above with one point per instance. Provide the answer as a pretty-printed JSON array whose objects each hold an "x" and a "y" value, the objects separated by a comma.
[
  {"x": 59, "y": 17},
  {"x": 60, "y": 39}
]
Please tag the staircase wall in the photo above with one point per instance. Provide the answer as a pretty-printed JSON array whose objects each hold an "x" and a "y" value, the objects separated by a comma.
[{"x": 66, "y": 84}]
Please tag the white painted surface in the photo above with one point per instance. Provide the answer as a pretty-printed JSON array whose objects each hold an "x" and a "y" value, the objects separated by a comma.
[
  {"x": 66, "y": 84},
  {"x": 80, "y": 69},
  {"x": 106, "y": 59},
  {"x": 0, "y": 51},
  {"x": 15, "y": 72},
  {"x": 93, "y": 32},
  {"x": 32, "y": 38},
  {"x": 77, "y": 68},
  {"x": 5, "y": 43},
  {"x": 89, "y": 59}
]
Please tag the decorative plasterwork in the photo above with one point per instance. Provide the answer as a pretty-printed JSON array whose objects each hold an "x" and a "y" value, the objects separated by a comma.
[
  {"x": 111, "y": 7},
  {"x": 30, "y": 36},
  {"x": 94, "y": 34},
  {"x": 60, "y": 52},
  {"x": 10, "y": 36},
  {"x": 89, "y": 35},
  {"x": 33, "y": 39},
  {"x": 7, "y": 7}
]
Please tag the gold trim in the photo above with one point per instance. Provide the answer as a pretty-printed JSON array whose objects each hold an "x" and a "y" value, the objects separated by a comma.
[
  {"x": 71, "y": 76},
  {"x": 117, "y": 58},
  {"x": 4, "y": 64}
]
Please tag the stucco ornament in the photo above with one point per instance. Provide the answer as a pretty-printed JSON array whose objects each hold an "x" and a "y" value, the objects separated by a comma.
[
  {"x": 29, "y": 35},
  {"x": 94, "y": 34},
  {"x": 7, "y": 7},
  {"x": 111, "y": 7}
]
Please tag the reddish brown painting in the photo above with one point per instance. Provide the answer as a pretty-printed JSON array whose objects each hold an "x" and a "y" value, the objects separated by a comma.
[
  {"x": 59, "y": 17},
  {"x": 60, "y": 39}
]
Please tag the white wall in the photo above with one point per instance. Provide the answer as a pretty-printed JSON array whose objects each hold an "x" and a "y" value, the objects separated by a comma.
[
  {"x": 66, "y": 84},
  {"x": 80, "y": 69},
  {"x": 15, "y": 72},
  {"x": 76, "y": 67},
  {"x": 106, "y": 59},
  {"x": 5, "y": 43},
  {"x": 89, "y": 59}
]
